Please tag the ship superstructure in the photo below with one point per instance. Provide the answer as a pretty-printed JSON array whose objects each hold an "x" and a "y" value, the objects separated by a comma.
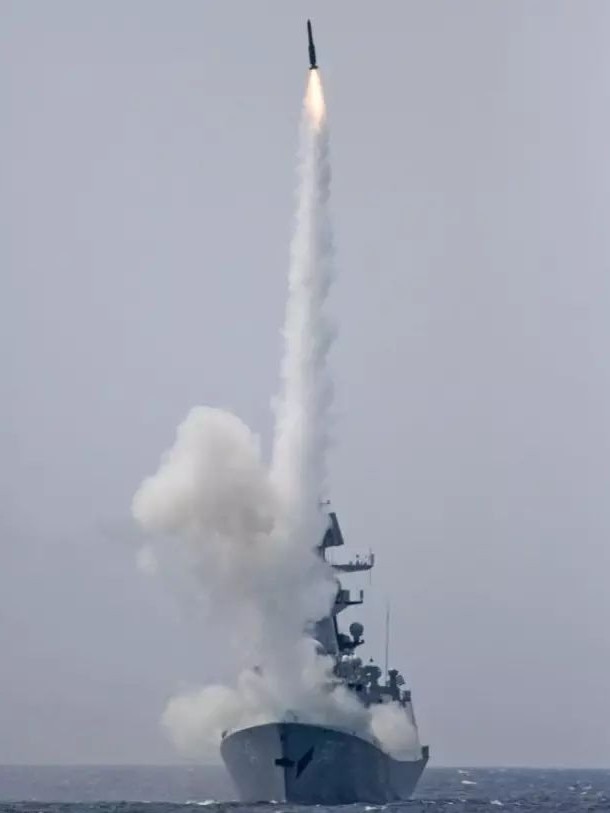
[
  {"x": 361, "y": 678},
  {"x": 293, "y": 760}
]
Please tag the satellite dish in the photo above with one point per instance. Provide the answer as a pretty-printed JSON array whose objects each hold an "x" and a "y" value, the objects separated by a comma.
[{"x": 355, "y": 630}]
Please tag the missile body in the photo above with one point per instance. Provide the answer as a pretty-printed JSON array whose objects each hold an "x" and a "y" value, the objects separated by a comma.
[{"x": 312, "y": 48}]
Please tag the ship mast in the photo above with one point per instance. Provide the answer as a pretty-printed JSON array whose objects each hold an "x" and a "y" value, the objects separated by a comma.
[
  {"x": 387, "y": 638},
  {"x": 326, "y": 631}
]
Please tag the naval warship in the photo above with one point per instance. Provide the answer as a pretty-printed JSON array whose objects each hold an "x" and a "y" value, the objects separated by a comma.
[{"x": 303, "y": 763}]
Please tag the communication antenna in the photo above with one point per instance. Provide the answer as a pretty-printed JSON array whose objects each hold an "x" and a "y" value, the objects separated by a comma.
[{"x": 387, "y": 636}]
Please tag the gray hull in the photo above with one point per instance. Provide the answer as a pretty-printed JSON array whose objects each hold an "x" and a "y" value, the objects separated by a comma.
[{"x": 310, "y": 764}]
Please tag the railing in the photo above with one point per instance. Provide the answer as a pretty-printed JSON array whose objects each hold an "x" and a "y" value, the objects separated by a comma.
[{"x": 356, "y": 565}]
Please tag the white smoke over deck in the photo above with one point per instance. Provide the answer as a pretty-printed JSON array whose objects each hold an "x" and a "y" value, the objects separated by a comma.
[{"x": 248, "y": 531}]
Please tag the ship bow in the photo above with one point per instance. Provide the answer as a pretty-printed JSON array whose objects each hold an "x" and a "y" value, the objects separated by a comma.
[{"x": 309, "y": 764}]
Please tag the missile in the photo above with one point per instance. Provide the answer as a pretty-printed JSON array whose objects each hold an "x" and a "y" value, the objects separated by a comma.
[{"x": 312, "y": 48}]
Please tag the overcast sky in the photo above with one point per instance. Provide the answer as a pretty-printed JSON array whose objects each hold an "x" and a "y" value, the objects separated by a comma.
[{"x": 146, "y": 206}]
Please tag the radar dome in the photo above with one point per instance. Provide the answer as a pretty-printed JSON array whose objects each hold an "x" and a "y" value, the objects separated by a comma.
[{"x": 356, "y": 629}]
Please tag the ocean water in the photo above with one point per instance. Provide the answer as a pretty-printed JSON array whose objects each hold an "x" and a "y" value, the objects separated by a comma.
[{"x": 28, "y": 789}]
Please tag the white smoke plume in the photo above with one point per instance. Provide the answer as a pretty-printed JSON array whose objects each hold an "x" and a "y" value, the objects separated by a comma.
[
  {"x": 196, "y": 720},
  {"x": 213, "y": 492},
  {"x": 248, "y": 530},
  {"x": 391, "y": 726}
]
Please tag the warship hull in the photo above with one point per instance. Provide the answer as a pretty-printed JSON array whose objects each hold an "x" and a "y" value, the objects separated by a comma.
[{"x": 312, "y": 764}]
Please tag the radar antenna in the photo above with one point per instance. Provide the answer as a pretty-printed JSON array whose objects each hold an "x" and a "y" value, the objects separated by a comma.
[{"x": 387, "y": 636}]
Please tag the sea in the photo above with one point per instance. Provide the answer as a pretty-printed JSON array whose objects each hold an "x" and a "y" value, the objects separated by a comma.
[{"x": 185, "y": 789}]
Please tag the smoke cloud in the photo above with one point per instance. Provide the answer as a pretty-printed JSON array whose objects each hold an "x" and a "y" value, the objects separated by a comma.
[{"x": 213, "y": 492}]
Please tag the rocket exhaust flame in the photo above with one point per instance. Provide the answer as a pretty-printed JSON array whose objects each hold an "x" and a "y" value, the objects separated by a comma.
[{"x": 314, "y": 99}]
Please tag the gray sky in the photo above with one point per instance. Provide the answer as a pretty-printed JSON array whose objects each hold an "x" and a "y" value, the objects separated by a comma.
[{"x": 148, "y": 156}]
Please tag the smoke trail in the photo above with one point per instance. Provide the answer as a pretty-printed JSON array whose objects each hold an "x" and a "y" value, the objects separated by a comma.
[
  {"x": 299, "y": 466},
  {"x": 248, "y": 531}
]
